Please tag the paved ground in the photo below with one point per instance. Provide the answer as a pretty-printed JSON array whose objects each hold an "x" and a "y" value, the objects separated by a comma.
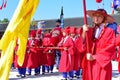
[{"x": 56, "y": 75}]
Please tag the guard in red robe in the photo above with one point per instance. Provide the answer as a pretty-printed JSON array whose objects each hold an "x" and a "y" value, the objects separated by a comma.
[
  {"x": 56, "y": 38},
  {"x": 33, "y": 61},
  {"x": 49, "y": 52},
  {"x": 97, "y": 65},
  {"x": 77, "y": 62},
  {"x": 67, "y": 55},
  {"x": 56, "y": 35},
  {"x": 21, "y": 69},
  {"x": 79, "y": 45},
  {"x": 38, "y": 42},
  {"x": 80, "y": 49}
]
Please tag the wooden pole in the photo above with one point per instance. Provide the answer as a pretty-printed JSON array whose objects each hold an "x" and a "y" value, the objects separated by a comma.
[
  {"x": 84, "y": 9},
  {"x": 88, "y": 63}
]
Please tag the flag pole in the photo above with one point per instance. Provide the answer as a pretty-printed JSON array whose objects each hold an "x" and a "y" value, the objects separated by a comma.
[
  {"x": 87, "y": 43},
  {"x": 84, "y": 9},
  {"x": 62, "y": 18}
]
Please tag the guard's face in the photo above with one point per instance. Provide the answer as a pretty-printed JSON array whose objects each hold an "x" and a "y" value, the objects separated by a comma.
[
  {"x": 57, "y": 24},
  {"x": 98, "y": 18},
  {"x": 64, "y": 34},
  {"x": 72, "y": 35},
  {"x": 32, "y": 37},
  {"x": 38, "y": 35}
]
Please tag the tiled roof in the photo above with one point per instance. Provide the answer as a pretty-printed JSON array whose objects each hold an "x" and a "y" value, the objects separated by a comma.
[{"x": 78, "y": 21}]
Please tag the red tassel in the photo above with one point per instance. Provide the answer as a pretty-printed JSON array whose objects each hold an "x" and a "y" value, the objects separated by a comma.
[
  {"x": 98, "y": 1},
  {"x": 2, "y": 5},
  {"x": 5, "y": 4}
]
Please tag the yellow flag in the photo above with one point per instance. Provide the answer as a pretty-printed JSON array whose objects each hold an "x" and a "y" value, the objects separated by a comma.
[{"x": 18, "y": 28}]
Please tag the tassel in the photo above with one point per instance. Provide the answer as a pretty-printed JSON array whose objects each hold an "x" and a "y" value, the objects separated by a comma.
[
  {"x": 2, "y": 5},
  {"x": 5, "y": 4},
  {"x": 98, "y": 1}
]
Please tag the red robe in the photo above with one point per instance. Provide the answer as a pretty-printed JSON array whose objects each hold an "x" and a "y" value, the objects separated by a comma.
[
  {"x": 118, "y": 59},
  {"x": 33, "y": 61},
  {"x": 50, "y": 55},
  {"x": 80, "y": 49},
  {"x": 16, "y": 59},
  {"x": 118, "y": 48},
  {"x": 38, "y": 43},
  {"x": 76, "y": 56},
  {"x": 56, "y": 35},
  {"x": 67, "y": 57},
  {"x": 101, "y": 67}
]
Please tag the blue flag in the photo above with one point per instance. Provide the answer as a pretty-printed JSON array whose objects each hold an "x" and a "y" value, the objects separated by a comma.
[{"x": 62, "y": 18}]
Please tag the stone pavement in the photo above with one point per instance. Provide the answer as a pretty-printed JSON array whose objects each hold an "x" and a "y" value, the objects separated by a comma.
[{"x": 56, "y": 75}]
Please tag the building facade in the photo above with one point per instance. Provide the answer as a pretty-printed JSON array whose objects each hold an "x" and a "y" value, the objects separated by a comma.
[{"x": 78, "y": 21}]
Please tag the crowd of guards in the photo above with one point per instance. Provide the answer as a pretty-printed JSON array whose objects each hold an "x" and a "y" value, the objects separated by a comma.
[
  {"x": 65, "y": 49},
  {"x": 48, "y": 49}
]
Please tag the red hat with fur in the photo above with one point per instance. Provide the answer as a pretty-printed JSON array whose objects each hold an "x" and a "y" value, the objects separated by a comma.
[
  {"x": 33, "y": 33},
  {"x": 39, "y": 31},
  {"x": 67, "y": 30},
  {"x": 73, "y": 30}
]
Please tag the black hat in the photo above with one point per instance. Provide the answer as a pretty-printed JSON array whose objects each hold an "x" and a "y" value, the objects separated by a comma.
[{"x": 59, "y": 21}]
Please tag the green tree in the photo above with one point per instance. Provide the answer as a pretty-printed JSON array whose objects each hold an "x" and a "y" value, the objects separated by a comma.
[{"x": 5, "y": 20}]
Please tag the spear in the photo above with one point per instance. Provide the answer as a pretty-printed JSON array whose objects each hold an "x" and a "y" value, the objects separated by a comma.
[{"x": 88, "y": 64}]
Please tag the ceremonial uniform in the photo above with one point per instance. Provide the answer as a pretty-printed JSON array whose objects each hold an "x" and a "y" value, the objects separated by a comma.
[
  {"x": 79, "y": 45},
  {"x": 67, "y": 55},
  {"x": 33, "y": 61},
  {"x": 77, "y": 56},
  {"x": 56, "y": 38},
  {"x": 38, "y": 42},
  {"x": 97, "y": 65},
  {"x": 50, "y": 55},
  {"x": 21, "y": 69}
]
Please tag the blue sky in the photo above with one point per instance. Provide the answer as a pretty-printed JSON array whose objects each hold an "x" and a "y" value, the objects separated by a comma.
[{"x": 50, "y": 9}]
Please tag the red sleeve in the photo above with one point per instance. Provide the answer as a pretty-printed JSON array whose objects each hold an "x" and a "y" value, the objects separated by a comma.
[
  {"x": 103, "y": 56},
  {"x": 71, "y": 46},
  {"x": 55, "y": 40},
  {"x": 79, "y": 45}
]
